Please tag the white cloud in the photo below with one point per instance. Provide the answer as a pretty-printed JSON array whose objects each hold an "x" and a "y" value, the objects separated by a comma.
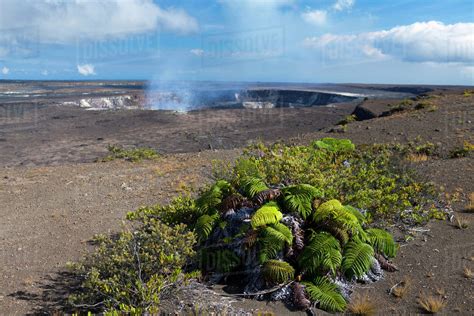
[
  {"x": 61, "y": 21},
  {"x": 5, "y": 70},
  {"x": 315, "y": 17},
  {"x": 86, "y": 69},
  {"x": 197, "y": 51},
  {"x": 419, "y": 42},
  {"x": 342, "y": 5},
  {"x": 44, "y": 72}
]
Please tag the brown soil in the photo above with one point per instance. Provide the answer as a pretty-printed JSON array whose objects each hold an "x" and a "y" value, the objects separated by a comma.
[{"x": 54, "y": 199}]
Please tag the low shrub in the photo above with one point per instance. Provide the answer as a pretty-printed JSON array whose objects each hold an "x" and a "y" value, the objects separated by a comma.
[
  {"x": 133, "y": 155},
  {"x": 131, "y": 271},
  {"x": 464, "y": 151},
  {"x": 348, "y": 119},
  {"x": 373, "y": 178}
]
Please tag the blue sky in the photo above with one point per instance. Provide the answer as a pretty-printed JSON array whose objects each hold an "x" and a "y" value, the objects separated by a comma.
[{"x": 367, "y": 41}]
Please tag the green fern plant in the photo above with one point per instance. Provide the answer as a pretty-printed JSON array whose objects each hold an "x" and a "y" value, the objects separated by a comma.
[
  {"x": 204, "y": 226},
  {"x": 333, "y": 213},
  {"x": 251, "y": 186},
  {"x": 226, "y": 260},
  {"x": 322, "y": 290},
  {"x": 279, "y": 231},
  {"x": 322, "y": 252},
  {"x": 382, "y": 241},
  {"x": 360, "y": 217},
  {"x": 340, "y": 233},
  {"x": 357, "y": 258},
  {"x": 276, "y": 271},
  {"x": 210, "y": 199},
  {"x": 299, "y": 198},
  {"x": 270, "y": 245},
  {"x": 267, "y": 214}
]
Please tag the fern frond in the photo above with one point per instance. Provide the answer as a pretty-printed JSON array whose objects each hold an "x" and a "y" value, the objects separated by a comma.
[
  {"x": 326, "y": 293},
  {"x": 270, "y": 245},
  {"x": 267, "y": 214},
  {"x": 327, "y": 210},
  {"x": 280, "y": 232},
  {"x": 204, "y": 226},
  {"x": 266, "y": 195},
  {"x": 250, "y": 238},
  {"x": 250, "y": 186},
  {"x": 382, "y": 241},
  {"x": 357, "y": 258},
  {"x": 232, "y": 202},
  {"x": 340, "y": 233},
  {"x": 299, "y": 198},
  {"x": 360, "y": 217},
  {"x": 226, "y": 260},
  {"x": 276, "y": 271},
  {"x": 210, "y": 199},
  {"x": 322, "y": 252},
  {"x": 333, "y": 213}
]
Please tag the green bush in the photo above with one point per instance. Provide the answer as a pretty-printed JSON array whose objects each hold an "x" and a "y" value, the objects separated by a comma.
[
  {"x": 373, "y": 178},
  {"x": 130, "y": 272},
  {"x": 461, "y": 152}
]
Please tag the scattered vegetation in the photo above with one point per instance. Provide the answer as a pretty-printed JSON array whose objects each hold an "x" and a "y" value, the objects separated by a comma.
[
  {"x": 133, "y": 155},
  {"x": 463, "y": 151},
  {"x": 417, "y": 157},
  {"x": 462, "y": 222},
  {"x": 467, "y": 93},
  {"x": 348, "y": 119},
  {"x": 362, "y": 305},
  {"x": 468, "y": 273},
  {"x": 401, "y": 106},
  {"x": 470, "y": 204},
  {"x": 400, "y": 289},
  {"x": 431, "y": 304},
  {"x": 426, "y": 105},
  {"x": 305, "y": 215}
]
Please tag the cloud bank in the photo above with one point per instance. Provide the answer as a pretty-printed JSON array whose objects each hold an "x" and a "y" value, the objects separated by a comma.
[
  {"x": 63, "y": 21},
  {"x": 431, "y": 41}
]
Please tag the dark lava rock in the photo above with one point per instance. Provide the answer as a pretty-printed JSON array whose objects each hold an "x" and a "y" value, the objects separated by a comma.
[{"x": 371, "y": 109}]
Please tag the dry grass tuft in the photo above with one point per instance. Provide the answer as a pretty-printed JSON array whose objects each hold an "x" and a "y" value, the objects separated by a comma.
[
  {"x": 362, "y": 305},
  {"x": 431, "y": 304},
  {"x": 462, "y": 222},
  {"x": 470, "y": 205},
  {"x": 440, "y": 291},
  {"x": 468, "y": 273},
  {"x": 399, "y": 290},
  {"x": 417, "y": 157}
]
